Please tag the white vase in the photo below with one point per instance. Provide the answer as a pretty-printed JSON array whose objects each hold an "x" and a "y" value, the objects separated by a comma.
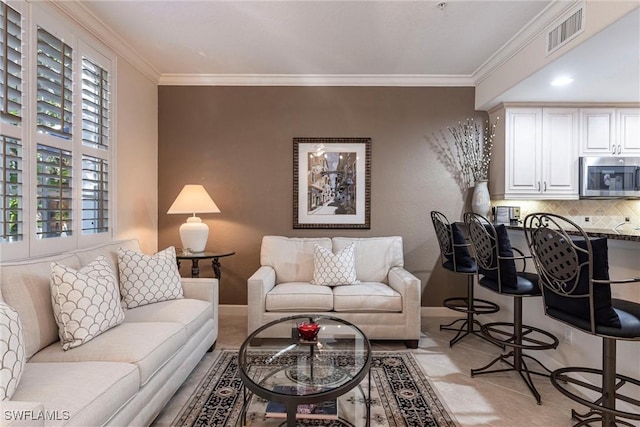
[{"x": 481, "y": 201}]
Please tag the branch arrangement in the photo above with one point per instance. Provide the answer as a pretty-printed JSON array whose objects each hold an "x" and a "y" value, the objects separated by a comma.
[{"x": 469, "y": 152}]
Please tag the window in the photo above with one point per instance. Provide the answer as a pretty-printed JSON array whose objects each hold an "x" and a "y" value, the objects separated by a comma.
[{"x": 56, "y": 148}]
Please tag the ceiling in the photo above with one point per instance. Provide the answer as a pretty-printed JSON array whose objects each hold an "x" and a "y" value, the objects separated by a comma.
[{"x": 366, "y": 38}]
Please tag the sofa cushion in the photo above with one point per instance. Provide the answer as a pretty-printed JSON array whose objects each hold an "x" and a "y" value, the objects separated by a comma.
[
  {"x": 291, "y": 257},
  {"x": 12, "y": 358},
  {"x": 25, "y": 287},
  {"x": 79, "y": 394},
  {"x": 190, "y": 313},
  {"x": 109, "y": 250},
  {"x": 86, "y": 302},
  {"x": 149, "y": 345},
  {"x": 331, "y": 269},
  {"x": 375, "y": 256},
  {"x": 366, "y": 297},
  {"x": 299, "y": 296},
  {"x": 145, "y": 279}
]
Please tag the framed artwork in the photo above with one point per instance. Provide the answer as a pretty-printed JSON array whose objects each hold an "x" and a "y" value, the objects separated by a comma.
[{"x": 332, "y": 183}]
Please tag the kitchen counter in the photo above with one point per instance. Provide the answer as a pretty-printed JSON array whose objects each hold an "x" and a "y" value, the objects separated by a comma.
[{"x": 624, "y": 233}]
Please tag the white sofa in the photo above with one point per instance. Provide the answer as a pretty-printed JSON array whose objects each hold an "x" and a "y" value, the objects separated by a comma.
[
  {"x": 385, "y": 304},
  {"x": 122, "y": 377}
]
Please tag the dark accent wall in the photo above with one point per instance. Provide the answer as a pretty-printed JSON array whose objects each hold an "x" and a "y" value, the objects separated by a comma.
[{"x": 238, "y": 143}]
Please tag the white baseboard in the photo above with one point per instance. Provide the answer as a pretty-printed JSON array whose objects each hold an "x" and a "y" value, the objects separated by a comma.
[
  {"x": 438, "y": 312},
  {"x": 232, "y": 310}
]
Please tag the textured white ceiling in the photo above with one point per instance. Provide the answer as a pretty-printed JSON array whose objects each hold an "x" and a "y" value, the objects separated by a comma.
[
  {"x": 316, "y": 37},
  {"x": 368, "y": 39}
]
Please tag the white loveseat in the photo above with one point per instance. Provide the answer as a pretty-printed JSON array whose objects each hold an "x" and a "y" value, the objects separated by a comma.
[
  {"x": 385, "y": 304},
  {"x": 122, "y": 377}
]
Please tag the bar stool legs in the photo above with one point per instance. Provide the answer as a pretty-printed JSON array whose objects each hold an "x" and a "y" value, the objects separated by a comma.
[
  {"x": 520, "y": 337},
  {"x": 471, "y": 307}
]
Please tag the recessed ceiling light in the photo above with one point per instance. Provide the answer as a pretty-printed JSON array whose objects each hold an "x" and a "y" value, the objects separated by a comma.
[{"x": 561, "y": 81}]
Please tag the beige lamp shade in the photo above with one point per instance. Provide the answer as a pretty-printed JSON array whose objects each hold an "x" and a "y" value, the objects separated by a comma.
[{"x": 193, "y": 199}]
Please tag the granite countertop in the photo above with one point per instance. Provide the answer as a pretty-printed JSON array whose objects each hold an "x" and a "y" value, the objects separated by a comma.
[{"x": 623, "y": 233}]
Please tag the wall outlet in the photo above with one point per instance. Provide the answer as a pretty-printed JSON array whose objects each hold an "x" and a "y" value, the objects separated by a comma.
[
  {"x": 587, "y": 219},
  {"x": 568, "y": 336},
  {"x": 627, "y": 219}
]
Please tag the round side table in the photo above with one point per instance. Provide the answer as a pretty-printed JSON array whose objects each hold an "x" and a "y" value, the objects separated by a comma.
[{"x": 195, "y": 257}]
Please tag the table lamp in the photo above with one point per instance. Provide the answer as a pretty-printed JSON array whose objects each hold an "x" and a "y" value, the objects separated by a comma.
[{"x": 193, "y": 199}]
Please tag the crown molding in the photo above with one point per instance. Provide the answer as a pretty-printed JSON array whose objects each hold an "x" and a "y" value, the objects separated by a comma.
[
  {"x": 520, "y": 40},
  {"x": 408, "y": 80},
  {"x": 79, "y": 14}
]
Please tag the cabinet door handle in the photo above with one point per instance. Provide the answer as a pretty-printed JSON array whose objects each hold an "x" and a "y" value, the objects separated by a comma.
[
  {"x": 538, "y": 185},
  {"x": 619, "y": 149},
  {"x": 545, "y": 186},
  {"x": 614, "y": 149}
]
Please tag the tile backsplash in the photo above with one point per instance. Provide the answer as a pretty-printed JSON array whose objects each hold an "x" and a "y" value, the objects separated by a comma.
[{"x": 601, "y": 213}]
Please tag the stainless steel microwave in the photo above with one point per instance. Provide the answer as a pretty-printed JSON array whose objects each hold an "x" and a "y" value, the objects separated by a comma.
[{"x": 610, "y": 177}]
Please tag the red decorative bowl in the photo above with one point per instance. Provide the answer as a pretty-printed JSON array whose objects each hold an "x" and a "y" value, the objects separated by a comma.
[{"x": 308, "y": 330}]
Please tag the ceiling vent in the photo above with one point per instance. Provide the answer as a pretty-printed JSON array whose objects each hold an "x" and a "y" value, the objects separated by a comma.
[{"x": 567, "y": 30}]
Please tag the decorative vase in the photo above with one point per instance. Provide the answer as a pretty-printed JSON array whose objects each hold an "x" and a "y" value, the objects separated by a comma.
[{"x": 481, "y": 201}]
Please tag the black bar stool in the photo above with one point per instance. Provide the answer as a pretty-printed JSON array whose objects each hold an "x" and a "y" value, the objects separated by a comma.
[
  {"x": 455, "y": 256},
  {"x": 496, "y": 264},
  {"x": 574, "y": 272}
]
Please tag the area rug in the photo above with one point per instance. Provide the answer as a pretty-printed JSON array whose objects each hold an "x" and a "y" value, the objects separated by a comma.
[{"x": 401, "y": 395}]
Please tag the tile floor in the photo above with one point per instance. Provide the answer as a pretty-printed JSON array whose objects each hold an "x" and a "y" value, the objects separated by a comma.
[{"x": 490, "y": 400}]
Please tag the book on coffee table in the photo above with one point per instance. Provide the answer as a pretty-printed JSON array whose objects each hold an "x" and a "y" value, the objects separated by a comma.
[{"x": 313, "y": 411}]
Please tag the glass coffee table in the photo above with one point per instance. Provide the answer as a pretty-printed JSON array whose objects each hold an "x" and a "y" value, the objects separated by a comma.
[{"x": 295, "y": 371}]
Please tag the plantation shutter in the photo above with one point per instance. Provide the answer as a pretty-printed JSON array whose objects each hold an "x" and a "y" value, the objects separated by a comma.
[
  {"x": 11, "y": 63},
  {"x": 11, "y": 205},
  {"x": 54, "y": 192},
  {"x": 55, "y": 93},
  {"x": 95, "y": 142}
]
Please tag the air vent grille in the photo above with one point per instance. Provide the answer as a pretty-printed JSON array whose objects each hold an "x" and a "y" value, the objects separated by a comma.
[{"x": 566, "y": 31}]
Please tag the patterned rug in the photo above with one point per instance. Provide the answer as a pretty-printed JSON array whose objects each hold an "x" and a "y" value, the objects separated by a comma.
[{"x": 401, "y": 395}]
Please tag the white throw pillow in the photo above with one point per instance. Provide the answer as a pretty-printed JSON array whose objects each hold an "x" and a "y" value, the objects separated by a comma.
[
  {"x": 12, "y": 357},
  {"x": 331, "y": 269},
  {"x": 86, "y": 302},
  {"x": 145, "y": 279}
]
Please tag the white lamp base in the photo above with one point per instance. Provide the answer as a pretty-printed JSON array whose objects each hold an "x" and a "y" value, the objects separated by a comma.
[{"x": 194, "y": 234}]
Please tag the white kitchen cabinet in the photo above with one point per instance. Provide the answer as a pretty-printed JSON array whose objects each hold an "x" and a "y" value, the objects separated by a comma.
[
  {"x": 628, "y": 135},
  {"x": 597, "y": 131},
  {"x": 540, "y": 154},
  {"x": 609, "y": 132}
]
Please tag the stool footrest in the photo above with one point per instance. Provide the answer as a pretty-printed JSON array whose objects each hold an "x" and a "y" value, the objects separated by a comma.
[
  {"x": 529, "y": 338},
  {"x": 478, "y": 306},
  {"x": 561, "y": 378}
]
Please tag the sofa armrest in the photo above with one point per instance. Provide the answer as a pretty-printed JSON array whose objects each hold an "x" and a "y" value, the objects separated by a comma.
[
  {"x": 202, "y": 289},
  {"x": 258, "y": 285},
  {"x": 20, "y": 413},
  {"x": 408, "y": 285}
]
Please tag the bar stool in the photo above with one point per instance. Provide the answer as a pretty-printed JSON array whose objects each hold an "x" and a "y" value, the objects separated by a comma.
[
  {"x": 496, "y": 264},
  {"x": 574, "y": 272},
  {"x": 455, "y": 256}
]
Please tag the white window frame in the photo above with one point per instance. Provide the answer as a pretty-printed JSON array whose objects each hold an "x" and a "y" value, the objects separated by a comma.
[{"x": 34, "y": 15}]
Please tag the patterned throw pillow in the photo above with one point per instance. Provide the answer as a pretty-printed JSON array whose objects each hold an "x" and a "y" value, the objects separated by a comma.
[
  {"x": 331, "y": 269},
  {"x": 86, "y": 302},
  {"x": 145, "y": 279},
  {"x": 12, "y": 357}
]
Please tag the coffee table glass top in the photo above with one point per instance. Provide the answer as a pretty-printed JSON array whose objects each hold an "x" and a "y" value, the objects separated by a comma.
[{"x": 335, "y": 362}]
